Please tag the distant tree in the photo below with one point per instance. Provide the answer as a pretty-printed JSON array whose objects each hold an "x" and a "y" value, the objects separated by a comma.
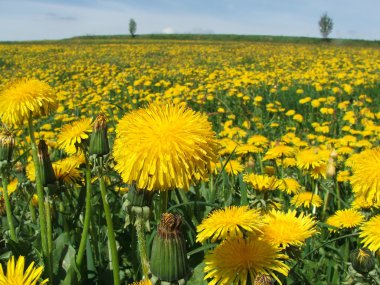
[
  {"x": 132, "y": 27},
  {"x": 326, "y": 25}
]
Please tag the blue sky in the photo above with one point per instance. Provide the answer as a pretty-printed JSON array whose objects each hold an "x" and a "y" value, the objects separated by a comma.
[{"x": 57, "y": 19}]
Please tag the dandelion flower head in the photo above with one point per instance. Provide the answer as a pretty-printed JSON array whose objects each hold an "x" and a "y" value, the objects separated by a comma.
[
  {"x": 306, "y": 199},
  {"x": 370, "y": 233},
  {"x": 285, "y": 229},
  {"x": 261, "y": 182},
  {"x": 74, "y": 134},
  {"x": 15, "y": 274},
  {"x": 164, "y": 146},
  {"x": 25, "y": 98},
  {"x": 346, "y": 219},
  {"x": 365, "y": 179},
  {"x": 229, "y": 222},
  {"x": 238, "y": 260}
]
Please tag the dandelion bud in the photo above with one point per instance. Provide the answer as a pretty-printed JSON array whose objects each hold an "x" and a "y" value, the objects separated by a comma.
[
  {"x": 251, "y": 162},
  {"x": 47, "y": 171},
  {"x": 362, "y": 260},
  {"x": 169, "y": 261},
  {"x": 330, "y": 170},
  {"x": 7, "y": 144},
  {"x": 263, "y": 279},
  {"x": 334, "y": 154},
  {"x": 99, "y": 142},
  {"x": 35, "y": 200}
]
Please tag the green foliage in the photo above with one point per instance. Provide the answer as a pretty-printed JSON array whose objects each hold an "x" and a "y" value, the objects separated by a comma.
[
  {"x": 132, "y": 27},
  {"x": 326, "y": 25}
]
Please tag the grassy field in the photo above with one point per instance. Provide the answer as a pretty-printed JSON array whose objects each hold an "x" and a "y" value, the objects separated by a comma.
[{"x": 275, "y": 174}]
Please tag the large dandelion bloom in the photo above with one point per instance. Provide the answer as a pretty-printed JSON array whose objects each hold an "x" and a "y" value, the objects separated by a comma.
[
  {"x": 25, "y": 98},
  {"x": 164, "y": 146},
  {"x": 284, "y": 229},
  {"x": 74, "y": 134},
  {"x": 365, "y": 180},
  {"x": 238, "y": 260},
  {"x": 16, "y": 276},
  {"x": 370, "y": 233},
  {"x": 229, "y": 222}
]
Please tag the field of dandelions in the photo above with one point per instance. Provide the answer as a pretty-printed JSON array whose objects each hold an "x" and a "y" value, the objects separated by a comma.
[{"x": 189, "y": 162}]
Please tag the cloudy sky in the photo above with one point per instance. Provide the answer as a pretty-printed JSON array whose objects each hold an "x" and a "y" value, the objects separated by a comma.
[{"x": 57, "y": 19}]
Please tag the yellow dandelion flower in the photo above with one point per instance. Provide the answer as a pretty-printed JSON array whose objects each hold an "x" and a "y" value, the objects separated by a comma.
[
  {"x": 237, "y": 260},
  {"x": 289, "y": 185},
  {"x": 346, "y": 219},
  {"x": 11, "y": 187},
  {"x": 333, "y": 221},
  {"x": 370, "y": 233},
  {"x": 285, "y": 229},
  {"x": 25, "y": 98},
  {"x": 232, "y": 167},
  {"x": 66, "y": 171},
  {"x": 288, "y": 162},
  {"x": 279, "y": 151},
  {"x": 319, "y": 171},
  {"x": 306, "y": 199},
  {"x": 343, "y": 176},
  {"x": 365, "y": 179},
  {"x": 258, "y": 140},
  {"x": 15, "y": 274},
  {"x": 72, "y": 135},
  {"x": 261, "y": 182},
  {"x": 164, "y": 146},
  {"x": 229, "y": 222},
  {"x": 360, "y": 202},
  {"x": 310, "y": 158}
]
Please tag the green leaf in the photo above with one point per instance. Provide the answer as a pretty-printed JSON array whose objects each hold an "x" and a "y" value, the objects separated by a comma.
[{"x": 198, "y": 276}]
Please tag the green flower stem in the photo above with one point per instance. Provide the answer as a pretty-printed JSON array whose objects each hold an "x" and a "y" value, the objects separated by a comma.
[
  {"x": 8, "y": 208},
  {"x": 164, "y": 200},
  {"x": 111, "y": 233},
  {"x": 40, "y": 193},
  {"x": 142, "y": 245},
  {"x": 325, "y": 203},
  {"x": 49, "y": 231},
  {"x": 339, "y": 206},
  {"x": 87, "y": 217}
]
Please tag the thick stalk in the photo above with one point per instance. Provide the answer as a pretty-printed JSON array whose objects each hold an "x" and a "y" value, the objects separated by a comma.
[
  {"x": 164, "y": 199},
  {"x": 8, "y": 208},
  {"x": 87, "y": 217},
  {"x": 142, "y": 245},
  {"x": 41, "y": 199},
  {"x": 111, "y": 233}
]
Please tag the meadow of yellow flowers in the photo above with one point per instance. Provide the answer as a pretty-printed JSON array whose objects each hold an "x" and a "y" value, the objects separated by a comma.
[{"x": 189, "y": 162}]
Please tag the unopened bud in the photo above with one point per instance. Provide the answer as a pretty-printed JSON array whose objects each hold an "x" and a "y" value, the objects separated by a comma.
[
  {"x": 99, "y": 142},
  {"x": 331, "y": 169},
  {"x": 168, "y": 260},
  {"x": 47, "y": 171},
  {"x": 7, "y": 144}
]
